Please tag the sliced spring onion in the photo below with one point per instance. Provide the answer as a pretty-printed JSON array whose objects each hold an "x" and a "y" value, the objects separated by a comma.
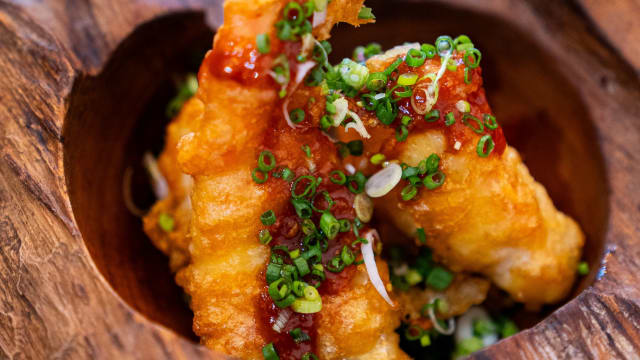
[
  {"x": 299, "y": 336},
  {"x": 268, "y": 218},
  {"x": 364, "y": 207},
  {"x": 366, "y": 13},
  {"x": 432, "y": 116},
  {"x": 266, "y": 166},
  {"x": 310, "y": 303},
  {"x": 439, "y": 278},
  {"x": 485, "y": 146},
  {"x": 386, "y": 111},
  {"x": 329, "y": 225},
  {"x": 158, "y": 181},
  {"x": 263, "y": 44},
  {"x": 415, "y": 57},
  {"x": 376, "y": 81},
  {"x": 451, "y": 327},
  {"x": 166, "y": 222},
  {"x": 463, "y": 106},
  {"x": 429, "y": 50},
  {"x": 444, "y": 45},
  {"x": 269, "y": 352},
  {"x": 490, "y": 121},
  {"x": 583, "y": 268},
  {"x": 472, "y": 58},
  {"x": 382, "y": 182},
  {"x": 372, "y": 268},
  {"x": 264, "y": 236},
  {"x": 479, "y": 129},
  {"x": 408, "y": 192},
  {"x": 302, "y": 207},
  {"x": 449, "y": 119},
  {"x": 377, "y": 159},
  {"x": 353, "y": 73}
]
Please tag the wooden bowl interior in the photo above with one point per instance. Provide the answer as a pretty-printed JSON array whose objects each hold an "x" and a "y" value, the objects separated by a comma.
[{"x": 117, "y": 116}]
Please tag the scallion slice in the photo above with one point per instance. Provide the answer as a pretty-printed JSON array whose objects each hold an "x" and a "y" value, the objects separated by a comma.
[{"x": 485, "y": 146}]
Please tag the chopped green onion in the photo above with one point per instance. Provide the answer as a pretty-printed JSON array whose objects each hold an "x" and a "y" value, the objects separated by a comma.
[
  {"x": 412, "y": 277},
  {"x": 298, "y": 288},
  {"x": 311, "y": 303},
  {"x": 337, "y": 177},
  {"x": 287, "y": 301},
  {"x": 302, "y": 207},
  {"x": 347, "y": 256},
  {"x": 376, "y": 81},
  {"x": 308, "y": 227},
  {"x": 444, "y": 44},
  {"x": 308, "y": 190},
  {"x": 355, "y": 147},
  {"x": 366, "y": 13},
  {"x": 407, "y": 79},
  {"x": 429, "y": 50},
  {"x": 583, "y": 268},
  {"x": 309, "y": 356},
  {"x": 377, "y": 159},
  {"x": 307, "y": 150},
  {"x": 413, "y": 332},
  {"x": 409, "y": 192},
  {"x": 409, "y": 171},
  {"x": 294, "y": 254},
  {"x": 369, "y": 101},
  {"x": 472, "y": 58},
  {"x": 402, "y": 132},
  {"x": 433, "y": 181},
  {"x": 467, "y": 75},
  {"x": 166, "y": 222},
  {"x": 359, "y": 179},
  {"x": 313, "y": 254},
  {"x": 463, "y": 106},
  {"x": 508, "y": 328},
  {"x": 465, "y": 120},
  {"x": 425, "y": 340},
  {"x": 302, "y": 266},
  {"x": 422, "y": 237},
  {"x": 451, "y": 65},
  {"x": 299, "y": 336},
  {"x": 372, "y": 49},
  {"x": 263, "y": 43},
  {"x": 269, "y": 352},
  {"x": 325, "y": 122},
  {"x": 318, "y": 271},
  {"x": 406, "y": 120},
  {"x": 345, "y": 225},
  {"x": 386, "y": 111},
  {"x": 394, "y": 65},
  {"x": 264, "y": 236},
  {"x": 257, "y": 179},
  {"x": 485, "y": 146},
  {"x": 468, "y": 346},
  {"x": 353, "y": 73},
  {"x": 439, "y": 278},
  {"x": 490, "y": 121},
  {"x": 268, "y": 218},
  {"x": 320, "y": 5},
  {"x": 432, "y": 116},
  {"x": 432, "y": 163},
  {"x": 262, "y": 165},
  {"x": 482, "y": 327},
  {"x": 407, "y": 92},
  {"x": 415, "y": 57},
  {"x": 297, "y": 115},
  {"x": 329, "y": 225},
  {"x": 284, "y": 30},
  {"x": 309, "y": 8},
  {"x": 279, "y": 289},
  {"x": 336, "y": 264},
  {"x": 273, "y": 272},
  {"x": 461, "y": 39},
  {"x": 293, "y": 13},
  {"x": 449, "y": 119}
]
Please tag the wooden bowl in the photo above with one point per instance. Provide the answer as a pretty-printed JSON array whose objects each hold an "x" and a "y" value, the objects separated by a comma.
[{"x": 83, "y": 92}]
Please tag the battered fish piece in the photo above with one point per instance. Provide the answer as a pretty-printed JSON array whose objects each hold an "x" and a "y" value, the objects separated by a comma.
[
  {"x": 489, "y": 216},
  {"x": 177, "y": 203},
  {"x": 236, "y": 114}
]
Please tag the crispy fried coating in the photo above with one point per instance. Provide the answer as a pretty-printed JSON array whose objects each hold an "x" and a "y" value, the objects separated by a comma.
[
  {"x": 217, "y": 144},
  {"x": 464, "y": 292},
  {"x": 178, "y": 202},
  {"x": 490, "y": 216}
]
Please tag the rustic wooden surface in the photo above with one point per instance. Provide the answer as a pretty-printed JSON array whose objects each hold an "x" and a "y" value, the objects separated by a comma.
[{"x": 56, "y": 301}]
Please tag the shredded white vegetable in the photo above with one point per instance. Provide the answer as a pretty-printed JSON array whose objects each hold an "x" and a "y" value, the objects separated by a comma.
[
  {"x": 302, "y": 71},
  {"x": 357, "y": 125},
  {"x": 158, "y": 182},
  {"x": 372, "y": 268},
  {"x": 451, "y": 326},
  {"x": 342, "y": 108},
  {"x": 465, "y": 325},
  {"x": 281, "y": 321}
]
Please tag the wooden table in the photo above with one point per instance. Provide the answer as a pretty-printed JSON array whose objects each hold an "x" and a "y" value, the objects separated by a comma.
[{"x": 78, "y": 84}]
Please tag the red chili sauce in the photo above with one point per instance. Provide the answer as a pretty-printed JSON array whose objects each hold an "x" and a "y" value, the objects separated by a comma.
[{"x": 287, "y": 231}]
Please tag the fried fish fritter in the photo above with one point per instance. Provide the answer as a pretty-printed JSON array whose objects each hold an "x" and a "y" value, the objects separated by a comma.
[{"x": 489, "y": 216}]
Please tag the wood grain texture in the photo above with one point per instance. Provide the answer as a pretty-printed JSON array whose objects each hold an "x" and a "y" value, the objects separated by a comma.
[{"x": 57, "y": 301}]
